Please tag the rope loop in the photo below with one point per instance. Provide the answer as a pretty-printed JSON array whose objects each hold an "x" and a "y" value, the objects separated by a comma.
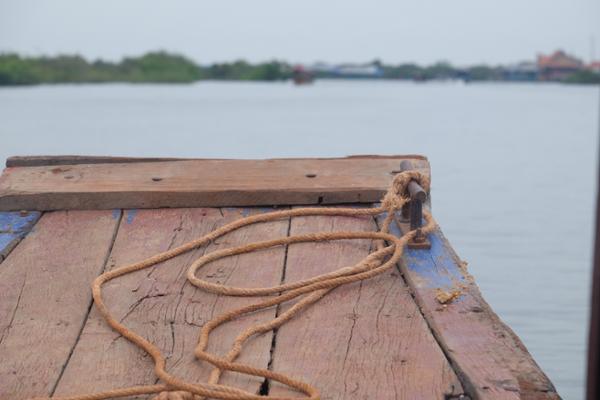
[{"x": 389, "y": 250}]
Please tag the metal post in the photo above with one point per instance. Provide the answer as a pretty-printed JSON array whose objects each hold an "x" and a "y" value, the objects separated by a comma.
[
  {"x": 414, "y": 209},
  {"x": 416, "y": 214}
]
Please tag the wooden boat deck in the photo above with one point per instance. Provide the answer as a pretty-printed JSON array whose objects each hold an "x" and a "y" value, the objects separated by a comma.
[{"x": 389, "y": 337}]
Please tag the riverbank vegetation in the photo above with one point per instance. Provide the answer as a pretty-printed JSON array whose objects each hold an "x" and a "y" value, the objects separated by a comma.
[
  {"x": 156, "y": 67},
  {"x": 584, "y": 77},
  {"x": 162, "y": 67}
]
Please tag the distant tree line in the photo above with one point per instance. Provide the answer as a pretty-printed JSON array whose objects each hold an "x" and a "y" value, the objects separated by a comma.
[
  {"x": 162, "y": 67},
  {"x": 587, "y": 77},
  {"x": 443, "y": 70},
  {"x": 159, "y": 67}
]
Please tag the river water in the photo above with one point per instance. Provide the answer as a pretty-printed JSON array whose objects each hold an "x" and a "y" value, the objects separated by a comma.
[{"x": 513, "y": 168}]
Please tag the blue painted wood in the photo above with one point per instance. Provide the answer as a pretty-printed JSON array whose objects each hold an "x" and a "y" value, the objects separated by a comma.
[
  {"x": 130, "y": 215},
  {"x": 13, "y": 227},
  {"x": 5, "y": 240},
  {"x": 488, "y": 357},
  {"x": 15, "y": 221},
  {"x": 433, "y": 268}
]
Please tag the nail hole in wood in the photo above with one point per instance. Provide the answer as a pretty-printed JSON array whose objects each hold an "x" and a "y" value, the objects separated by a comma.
[
  {"x": 155, "y": 179},
  {"x": 69, "y": 177},
  {"x": 311, "y": 175}
]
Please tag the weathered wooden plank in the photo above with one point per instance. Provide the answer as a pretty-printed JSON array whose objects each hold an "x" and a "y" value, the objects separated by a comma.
[
  {"x": 162, "y": 305},
  {"x": 37, "y": 161},
  {"x": 365, "y": 340},
  {"x": 13, "y": 227},
  {"x": 490, "y": 359},
  {"x": 45, "y": 297},
  {"x": 199, "y": 183}
]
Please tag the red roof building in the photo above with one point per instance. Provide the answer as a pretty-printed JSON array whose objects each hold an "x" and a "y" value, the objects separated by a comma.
[{"x": 558, "y": 65}]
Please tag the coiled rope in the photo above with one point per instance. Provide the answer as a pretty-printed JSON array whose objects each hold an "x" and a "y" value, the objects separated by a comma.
[{"x": 173, "y": 388}]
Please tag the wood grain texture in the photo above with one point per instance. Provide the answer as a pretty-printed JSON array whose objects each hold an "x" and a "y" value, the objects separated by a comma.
[
  {"x": 199, "y": 183},
  {"x": 166, "y": 309},
  {"x": 490, "y": 359},
  {"x": 37, "y": 161},
  {"x": 45, "y": 297},
  {"x": 366, "y": 340},
  {"x": 13, "y": 227}
]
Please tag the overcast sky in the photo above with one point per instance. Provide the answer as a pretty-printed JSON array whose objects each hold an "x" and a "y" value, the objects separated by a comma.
[{"x": 460, "y": 31}]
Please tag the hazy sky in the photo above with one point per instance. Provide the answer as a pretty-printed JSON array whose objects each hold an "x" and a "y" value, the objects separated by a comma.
[{"x": 461, "y": 31}]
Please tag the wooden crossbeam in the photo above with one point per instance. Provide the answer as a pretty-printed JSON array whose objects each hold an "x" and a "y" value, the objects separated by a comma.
[{"x": 199, "y": 183}]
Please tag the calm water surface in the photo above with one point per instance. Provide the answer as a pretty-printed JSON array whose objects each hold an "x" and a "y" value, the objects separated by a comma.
[{"x": 508, "y": 161}]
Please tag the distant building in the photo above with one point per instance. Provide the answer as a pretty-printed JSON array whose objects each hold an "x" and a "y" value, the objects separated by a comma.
[
  {"x": 558, "y": 65},
  {"x": 359, "y": 71},
  {"x": 523, "y": 71},
  {"x": 594, "y": 66},
  {"x": 372, "y": 70}
]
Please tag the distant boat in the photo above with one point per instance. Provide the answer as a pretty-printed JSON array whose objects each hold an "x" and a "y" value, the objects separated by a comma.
[{"x": 302, "y": 76}]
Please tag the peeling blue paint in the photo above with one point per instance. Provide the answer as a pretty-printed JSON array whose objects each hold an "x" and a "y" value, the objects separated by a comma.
[
  {"x": 116, "y": 213},
  {"x": 5, "y": 240},
  {"x": 131, "y": 215},
  {"x": 14, "y": 226},
  {"x": 14, "y": 221},
  {"x": 435, "y": 267}
]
